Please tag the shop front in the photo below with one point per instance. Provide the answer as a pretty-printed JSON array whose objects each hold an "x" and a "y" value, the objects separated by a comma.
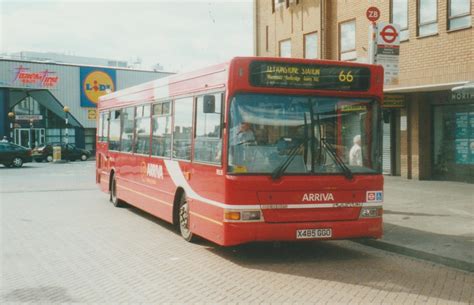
[{"x": 453, "y": 137}]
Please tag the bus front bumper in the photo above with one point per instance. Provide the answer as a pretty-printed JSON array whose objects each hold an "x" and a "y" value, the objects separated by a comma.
[{"x": 238, "y": 233}]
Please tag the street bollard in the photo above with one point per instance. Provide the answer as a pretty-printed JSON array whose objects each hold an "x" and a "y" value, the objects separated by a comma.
[{"x": 56, "y": 153}]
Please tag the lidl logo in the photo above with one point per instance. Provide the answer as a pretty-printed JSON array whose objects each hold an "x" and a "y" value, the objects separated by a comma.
[{"x": 95, "y": 83}]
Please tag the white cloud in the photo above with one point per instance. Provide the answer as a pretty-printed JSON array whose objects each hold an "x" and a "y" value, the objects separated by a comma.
[{"x": 179, "y": 35}]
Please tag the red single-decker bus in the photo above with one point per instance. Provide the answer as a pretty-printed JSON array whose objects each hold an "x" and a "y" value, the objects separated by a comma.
[{"x": 256, "y": 149}]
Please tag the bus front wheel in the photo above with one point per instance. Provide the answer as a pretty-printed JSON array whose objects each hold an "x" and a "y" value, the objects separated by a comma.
[
  {"x": 113, "y": 194},
  {"x": 184, "y": 220}
]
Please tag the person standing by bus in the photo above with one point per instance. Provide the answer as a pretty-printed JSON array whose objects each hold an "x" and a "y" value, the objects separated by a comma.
[{"x": 355, "y": 154}]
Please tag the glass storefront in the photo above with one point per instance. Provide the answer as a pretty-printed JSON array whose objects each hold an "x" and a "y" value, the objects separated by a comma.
[
  {"x": 453, "y": 142},
  {"x": 47, "y": 129}
]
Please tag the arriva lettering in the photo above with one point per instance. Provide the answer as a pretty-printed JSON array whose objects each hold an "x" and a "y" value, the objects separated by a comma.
[
  {"x": 312, "y": 197},
  {"x": 154, "y": 171}
]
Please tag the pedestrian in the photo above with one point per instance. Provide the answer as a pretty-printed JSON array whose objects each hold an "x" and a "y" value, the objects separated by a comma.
[
  {"x": 355, "y": 154},
  {"x": 4, "y": 140}
]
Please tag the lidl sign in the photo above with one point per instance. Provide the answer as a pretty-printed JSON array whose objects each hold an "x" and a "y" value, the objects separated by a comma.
[{"x": 95, "y": 82}]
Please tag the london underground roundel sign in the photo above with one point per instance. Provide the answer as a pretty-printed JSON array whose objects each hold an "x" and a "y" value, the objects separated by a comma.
[
  {"x": 389, "y": 33},
  {"x": 373, "y": 13}
]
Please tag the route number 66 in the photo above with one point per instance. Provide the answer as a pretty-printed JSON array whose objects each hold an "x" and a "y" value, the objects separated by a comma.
[{"x": 346, "y": 77}]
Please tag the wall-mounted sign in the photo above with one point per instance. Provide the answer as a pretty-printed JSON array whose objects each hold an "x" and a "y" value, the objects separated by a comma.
[
  {"x": 462, "y": 96},
  {"x": 393, "y": 101},
  {"x": 95, "y": 82},
  {"x": 28, "y": 117},
  {"x": 304, "y": 76},
  {"x": 41, "y": 79},
  {"x": 92, "y": 114}
]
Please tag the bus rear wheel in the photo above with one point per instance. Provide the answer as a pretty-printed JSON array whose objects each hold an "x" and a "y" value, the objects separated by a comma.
[
  {"x": 113, "y": 194},
  {"x": 183, "y": 214}
]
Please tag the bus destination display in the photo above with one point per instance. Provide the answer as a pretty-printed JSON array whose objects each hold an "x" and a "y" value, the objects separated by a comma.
[{"x": 304, "y": 76}]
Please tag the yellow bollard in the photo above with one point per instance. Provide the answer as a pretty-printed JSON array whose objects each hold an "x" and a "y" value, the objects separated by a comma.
[{"x": 56, "y": 153}]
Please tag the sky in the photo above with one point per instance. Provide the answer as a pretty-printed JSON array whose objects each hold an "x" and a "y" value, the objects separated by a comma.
[{"x": 179, "y": 35}]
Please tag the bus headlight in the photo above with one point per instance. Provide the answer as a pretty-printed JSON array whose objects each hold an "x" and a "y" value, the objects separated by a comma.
[
  {"x": 253, "y": 215},
  {"x": 250, "y": 215},
  {"x": 371, "y": 212}
]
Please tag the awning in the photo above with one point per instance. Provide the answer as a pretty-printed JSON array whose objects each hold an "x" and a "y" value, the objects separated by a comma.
[
  {"x": 44, "y": 98},
  {"x": 425, "y": 88}
]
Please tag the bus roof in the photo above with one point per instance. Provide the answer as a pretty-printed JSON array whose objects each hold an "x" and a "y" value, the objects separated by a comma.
[{"x": 216, "y": 77}]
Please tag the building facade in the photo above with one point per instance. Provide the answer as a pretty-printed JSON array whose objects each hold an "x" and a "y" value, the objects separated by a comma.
[
  {"x": 43, "y": 102},
  {"x": 429, "y": 114}
]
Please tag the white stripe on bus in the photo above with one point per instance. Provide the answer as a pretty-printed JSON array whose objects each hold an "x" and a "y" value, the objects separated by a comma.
[{"x": 179, "y": 180}]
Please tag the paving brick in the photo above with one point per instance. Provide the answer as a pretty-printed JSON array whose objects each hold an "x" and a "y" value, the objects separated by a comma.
[{"x": 73, "y": 246}]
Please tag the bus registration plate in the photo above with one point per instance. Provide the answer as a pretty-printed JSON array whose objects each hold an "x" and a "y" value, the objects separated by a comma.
[{"x": 313, "y": 233}]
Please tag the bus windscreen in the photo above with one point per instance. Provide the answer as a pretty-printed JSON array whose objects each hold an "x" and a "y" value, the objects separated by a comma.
[{"x": 309, "y": 76}]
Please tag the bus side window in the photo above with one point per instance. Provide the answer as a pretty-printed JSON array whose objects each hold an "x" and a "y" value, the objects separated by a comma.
[
  {"x": 182, "y": 130},
  {"x": 126, "y": 132},
  {"x": 142, "y": 130},
  {"x": 208, "y": 142},
  {"x": 161, "y": 130},
  {"x": 100, "y": 127},
  {"x": 114, "y": 130},
  {"x": 105, "y": 130}
]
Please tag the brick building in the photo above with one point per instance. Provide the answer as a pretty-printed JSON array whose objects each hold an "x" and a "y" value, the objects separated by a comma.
[{"x": 429, "y": 130}]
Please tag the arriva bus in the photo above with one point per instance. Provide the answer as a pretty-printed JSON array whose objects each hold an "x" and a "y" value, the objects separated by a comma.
[{"x": 256, "y": 149}]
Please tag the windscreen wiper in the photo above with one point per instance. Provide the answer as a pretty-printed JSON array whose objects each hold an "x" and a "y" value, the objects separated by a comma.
[
  {"x": 280, "y": 169},
  {"x": 332, "y": 152}
]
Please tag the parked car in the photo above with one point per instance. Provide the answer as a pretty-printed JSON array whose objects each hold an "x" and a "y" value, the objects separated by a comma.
[
  {"x": 14, "y": 155},
  {"x": 68, "y": 152}
]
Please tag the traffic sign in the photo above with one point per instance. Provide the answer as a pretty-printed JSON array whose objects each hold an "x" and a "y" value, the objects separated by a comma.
[
  {"x": 373, "y": 13},
  {"x": 389, "y": 34}
]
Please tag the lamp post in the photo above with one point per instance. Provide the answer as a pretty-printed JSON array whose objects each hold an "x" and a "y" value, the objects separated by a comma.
[
  {"x": 30, "y": 144},
  {"x": 11, "y": 117},
  {"x": 66, "y": 111}
]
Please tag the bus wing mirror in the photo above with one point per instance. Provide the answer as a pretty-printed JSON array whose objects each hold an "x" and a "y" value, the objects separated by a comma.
[{"x": 209, "y": 105}]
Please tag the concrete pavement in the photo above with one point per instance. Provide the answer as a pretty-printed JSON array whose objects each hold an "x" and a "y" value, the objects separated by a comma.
[{"x": 431, "y": 220}]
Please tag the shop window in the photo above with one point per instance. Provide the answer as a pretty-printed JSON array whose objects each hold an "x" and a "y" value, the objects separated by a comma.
[
  {"x": 459, "y": 14},
  {"x": 142, "y": 130},
  {"x": 114, "y": 130},
  {"x": 161, "y": 122},
  {"x": 208, "y": 142},
  {"x": 182, "y": 132},
  {"x": 126, "y": 134},
  {"x": 427, "y": 17},
  {"x": 453, "y": 145},
  {"x": 347, "y": 40},
  {"x": 285, "y": 48},
  {"x": 399, "y": 16}
]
